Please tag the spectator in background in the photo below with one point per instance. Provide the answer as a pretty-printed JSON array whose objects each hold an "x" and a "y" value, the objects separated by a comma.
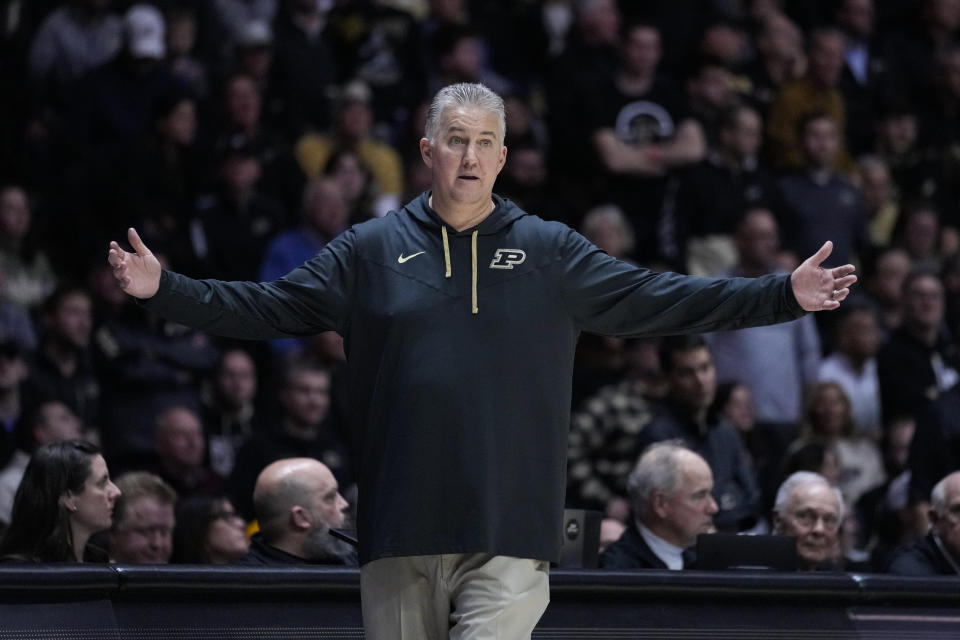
[
  {"x": 162, "y": 174},
  {"x": 253, "y": 56},
  {"x": 73, "y": 39},
  {"x": 607, "y": 227},
  {"x": 883, "y": 208},
  {"x": 884, "y": 274},
  {"x": 243, "y": 104},
  {"x": 914, "y": 165},
  {"x": 303, "y": 67},
  {"x": 919, "y": 233},
  {"x": 324, "y": 215},
  {"x": 821, "y": 203},
  {"x": 812, "y": 454},
  {"x": 714, "y": 194},
  {"x": 810, "y": 510},
  {"x": 911, "y": 51},
  {"x": 939, "y": 552},
  {"x": 181, "y": 454},
  {"x": 302, "y": 431},
  {"x": 208, "y": 531},
  {"x": 919, "y": 361},
  {"x": 525, "y": 179},
  {"x": 143, "y": 520},
  {"x": 830, "y": 419},
  {"x": 853, "y": 365},
  {"x": 297, "y": 501},
  {"x": 42, "y": 424},
  {"x": 65, "y": 497},
  {"x": 233, "y": 225},
  {"x": 458, "y": 54},
  {"x": 379, "y": 44},
  {"x": 115, "y": 100},
  {"x": 353, "y": 130},
  {"x": 183, "y": 59},
  {"x": 603, "y": 446},
  {"x": 348, "y": 170},
  {"x": 816, "y": 92},
  {"x": 588, "y": 62},
  {"x": 780, "y": 59},
  {"x": 144, "y": 367},
  {"x": 688, "y": 367},
  {"x": 709, "y": 94},
  {"x": 671, "y": 499},
  {"x": 641, "y": 131},
  {"x": 62, "y": 368},
  {"x": 864, "y": 70},
  {"x": 887, "y": 517},
  {"x": 228, "y": 409},
  {"x": 28, "y": 276},
  {"x": 746, "y": 355}
]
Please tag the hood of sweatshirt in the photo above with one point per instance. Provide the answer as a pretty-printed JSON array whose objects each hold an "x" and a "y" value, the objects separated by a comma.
[{"x": 503, "y": 215}]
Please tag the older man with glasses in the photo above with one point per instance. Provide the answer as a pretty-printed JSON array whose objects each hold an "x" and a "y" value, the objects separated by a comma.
[{"x": 810, "y": 510}]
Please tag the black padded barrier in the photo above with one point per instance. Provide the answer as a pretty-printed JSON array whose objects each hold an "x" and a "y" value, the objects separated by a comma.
[{"x": 205, "y": 602}]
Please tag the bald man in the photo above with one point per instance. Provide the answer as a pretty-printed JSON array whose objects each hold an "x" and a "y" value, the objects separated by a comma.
[
  {"x": 297, "y": 501},
  {"x": 938, "y": 553}
]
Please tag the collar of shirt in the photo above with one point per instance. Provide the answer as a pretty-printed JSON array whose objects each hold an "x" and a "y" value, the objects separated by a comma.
[
  {"x": 671, "y": 555},
  {"x": 946, "y": 552}
]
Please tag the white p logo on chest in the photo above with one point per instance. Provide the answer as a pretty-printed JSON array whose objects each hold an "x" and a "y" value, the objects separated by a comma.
[{"x": 507, "y": 258}]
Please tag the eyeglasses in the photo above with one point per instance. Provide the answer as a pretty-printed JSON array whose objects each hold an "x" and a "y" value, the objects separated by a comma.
[{"x": 808, "y": 518}]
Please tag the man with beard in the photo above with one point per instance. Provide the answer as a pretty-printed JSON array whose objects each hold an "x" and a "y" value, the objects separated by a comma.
[{"x": 297, "y": 502}]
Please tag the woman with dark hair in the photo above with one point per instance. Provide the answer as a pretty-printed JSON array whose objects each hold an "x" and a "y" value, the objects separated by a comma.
[
  {"x": 209, "y": 531},
  {"x": 65, "y": 497}
]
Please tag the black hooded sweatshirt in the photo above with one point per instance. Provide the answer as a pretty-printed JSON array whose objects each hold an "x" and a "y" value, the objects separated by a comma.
[{"x": 460, "y": 350}]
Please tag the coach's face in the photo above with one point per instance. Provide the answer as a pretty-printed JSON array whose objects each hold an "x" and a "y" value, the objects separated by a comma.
[{"x": 465, "y": 158}]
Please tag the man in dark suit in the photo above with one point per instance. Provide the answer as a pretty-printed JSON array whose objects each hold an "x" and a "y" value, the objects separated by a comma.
[
  {"x": 670, "y": 493},
  {"x": 937, "y": 553}
]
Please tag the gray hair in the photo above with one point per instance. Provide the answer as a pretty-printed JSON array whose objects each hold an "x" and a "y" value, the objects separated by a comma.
[
  {"x": 656, "y": 470},
  {"x": 464, "y": 94},
  {"x": 800, "y": 479}
]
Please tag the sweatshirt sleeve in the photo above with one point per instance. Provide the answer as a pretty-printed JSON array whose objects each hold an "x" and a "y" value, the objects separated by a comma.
[
  {"x": 312, "y": 298},
  {"x": 612, "y": 297}
]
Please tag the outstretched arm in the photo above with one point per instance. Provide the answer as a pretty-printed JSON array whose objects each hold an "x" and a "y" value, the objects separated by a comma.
[
  {"x": 138, "y": 273},
  {"x": 817, "y": 288}
]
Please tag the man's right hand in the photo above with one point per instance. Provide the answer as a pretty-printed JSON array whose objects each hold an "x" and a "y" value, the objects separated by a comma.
[{"x": 138, "y": 273}]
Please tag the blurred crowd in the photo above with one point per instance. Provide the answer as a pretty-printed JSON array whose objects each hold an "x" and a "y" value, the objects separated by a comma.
[{"x": 711, "y": 137}]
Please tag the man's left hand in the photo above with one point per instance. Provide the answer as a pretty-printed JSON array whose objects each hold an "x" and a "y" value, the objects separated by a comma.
[{"x": 818, "y": 289}]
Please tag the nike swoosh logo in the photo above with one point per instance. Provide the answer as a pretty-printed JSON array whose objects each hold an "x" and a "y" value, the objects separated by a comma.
[{"x": 404, "y": 258}]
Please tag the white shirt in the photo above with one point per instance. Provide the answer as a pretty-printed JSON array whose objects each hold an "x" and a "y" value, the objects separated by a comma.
[
  {"x": 671, "y": 555},
  {"x": 863, "y": 389}
]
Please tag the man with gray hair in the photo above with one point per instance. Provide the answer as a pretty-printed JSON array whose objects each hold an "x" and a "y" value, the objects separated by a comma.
[
  {"x": 670, "y": 493},
  {"x": 810, "y": 510},
  {"x": 937, "y": 553},
  {"x": 297, "y": 501},
  {"x": 460, "y": 313}
]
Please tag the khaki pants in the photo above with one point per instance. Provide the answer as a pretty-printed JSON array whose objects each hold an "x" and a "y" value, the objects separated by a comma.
[{"x": 458, "y": 596}]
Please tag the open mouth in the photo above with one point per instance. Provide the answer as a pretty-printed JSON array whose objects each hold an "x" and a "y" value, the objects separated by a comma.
[{"x": 468, "y": 177}]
